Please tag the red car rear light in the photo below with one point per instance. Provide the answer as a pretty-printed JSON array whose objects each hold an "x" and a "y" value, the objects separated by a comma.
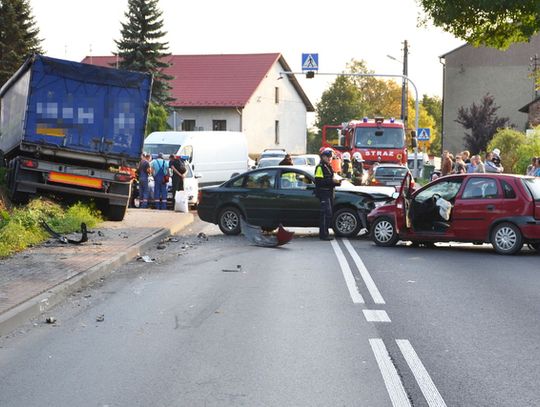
[
  {"x": 29, "y": 163},
  {"x": 199, "y": 197}
]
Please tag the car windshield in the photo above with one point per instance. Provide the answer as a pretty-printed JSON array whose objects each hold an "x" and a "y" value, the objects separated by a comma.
[
  {"x": 533, "y": 184},
  {"x": 379, "y": 137},
  {"x": 268, "y": 162},
  {"x": 166, "y": 149},
  {"x": 446, "y": 189},
  {"x": 299, "y": 161},
  {"x": 390, "y": 172}
]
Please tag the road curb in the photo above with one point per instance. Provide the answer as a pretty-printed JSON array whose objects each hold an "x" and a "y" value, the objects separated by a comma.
[{"x": 35, "y": 306}]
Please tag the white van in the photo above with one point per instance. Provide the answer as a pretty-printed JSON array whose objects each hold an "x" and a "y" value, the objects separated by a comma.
[{"x": 214, "y": 156}]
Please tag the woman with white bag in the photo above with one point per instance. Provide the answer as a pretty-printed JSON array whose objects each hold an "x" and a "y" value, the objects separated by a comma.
[{"x": 180, "y": 199}]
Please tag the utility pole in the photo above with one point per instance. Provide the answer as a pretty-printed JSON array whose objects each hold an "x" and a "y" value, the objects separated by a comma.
[
  {"x": 535, "y": 68},
  {"x": 404, "y": 85}
]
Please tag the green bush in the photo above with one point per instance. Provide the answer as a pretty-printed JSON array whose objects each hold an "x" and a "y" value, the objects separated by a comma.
[{"x": 22, "y": 228}]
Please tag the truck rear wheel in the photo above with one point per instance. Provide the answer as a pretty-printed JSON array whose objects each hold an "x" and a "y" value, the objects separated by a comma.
[{"x": 115, "y": 212}]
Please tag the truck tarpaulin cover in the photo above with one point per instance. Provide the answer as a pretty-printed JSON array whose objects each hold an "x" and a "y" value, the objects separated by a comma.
[{"x": 80, "y": 106}]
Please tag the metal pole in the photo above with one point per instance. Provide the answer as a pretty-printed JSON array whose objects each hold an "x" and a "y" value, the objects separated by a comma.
[{"x": 415, "y": 168}]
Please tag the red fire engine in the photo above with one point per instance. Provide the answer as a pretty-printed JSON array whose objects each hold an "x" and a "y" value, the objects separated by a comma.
[{"x": 378, "y": 140}]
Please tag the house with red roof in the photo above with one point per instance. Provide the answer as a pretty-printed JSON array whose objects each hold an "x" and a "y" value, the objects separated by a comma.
[{"x": 237, "y": 92}]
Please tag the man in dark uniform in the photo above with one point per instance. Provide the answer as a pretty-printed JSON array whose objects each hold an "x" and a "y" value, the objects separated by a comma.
[
  {"x": 178, "y": 167},
  {"x": 324, "y": 190}
]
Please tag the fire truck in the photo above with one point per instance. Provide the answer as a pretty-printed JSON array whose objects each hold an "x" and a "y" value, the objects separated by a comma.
[{"x": 378, "y": 140}]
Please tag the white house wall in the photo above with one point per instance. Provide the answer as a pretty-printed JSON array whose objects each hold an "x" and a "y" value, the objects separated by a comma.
[
  {"x": 261, "y": 112},
  {"x": 204, "y": 116}
]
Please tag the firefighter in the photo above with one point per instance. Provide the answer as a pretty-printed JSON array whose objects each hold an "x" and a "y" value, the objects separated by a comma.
[
  {"x": 324, "y": 190},
  {"x": 358, "y": 169},
  {"x": 346, "y": 166}
]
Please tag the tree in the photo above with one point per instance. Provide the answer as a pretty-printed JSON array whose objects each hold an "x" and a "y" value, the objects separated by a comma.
[
  {"x": 482, "y": 122},
  {"x": 313, "y": 142},
  {"x": 433, "y": 106},
  {"x": 494, "y": 23},
  {"x": 140, "y": 48},
  {"x": 157, "y": 119},
  {"x": 507, "y": 140},
  {"x": 526, "y": 150},
  {"x": 19, "y": 36}
]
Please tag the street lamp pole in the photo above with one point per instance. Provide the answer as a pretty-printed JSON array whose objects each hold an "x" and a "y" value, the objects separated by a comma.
[{"x": 405, "y": 78}]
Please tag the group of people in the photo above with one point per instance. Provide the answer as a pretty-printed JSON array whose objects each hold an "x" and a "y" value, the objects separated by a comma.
[
  {"x": 464, "y": 163},
  {"x": 160, "y": 170}
]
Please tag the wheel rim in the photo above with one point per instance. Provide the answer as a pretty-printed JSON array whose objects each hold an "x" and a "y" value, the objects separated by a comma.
[
  {"x": 383, "y": 231},
  {"x": 506, "y": 238},
  {"x": 346, "y": 223},
  {"x": 229, "y": 220}
]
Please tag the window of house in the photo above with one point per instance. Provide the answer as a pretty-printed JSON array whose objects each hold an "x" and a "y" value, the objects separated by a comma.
[
  {"x": 276, "y": 131},
  {"x": 219, "y": 125},
  {"x": 276, "y": 95},
  {"x": 188, "y": 125}
]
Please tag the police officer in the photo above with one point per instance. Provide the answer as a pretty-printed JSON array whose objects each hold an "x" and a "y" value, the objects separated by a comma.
[{"x": 324, "y": 190}]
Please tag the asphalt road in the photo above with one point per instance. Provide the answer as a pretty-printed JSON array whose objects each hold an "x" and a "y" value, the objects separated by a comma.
[{"x": 220, "y": 323}]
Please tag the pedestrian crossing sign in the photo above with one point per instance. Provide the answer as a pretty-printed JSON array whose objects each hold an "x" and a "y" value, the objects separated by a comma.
[
  {"x": 310, "y": 62},
  {"x": 424, "y": 134}
]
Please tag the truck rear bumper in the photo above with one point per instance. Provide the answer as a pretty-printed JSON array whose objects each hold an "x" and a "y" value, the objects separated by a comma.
[{"x": 29, "y": 186}]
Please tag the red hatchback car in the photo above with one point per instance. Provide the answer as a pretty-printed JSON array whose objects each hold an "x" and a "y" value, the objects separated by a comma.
[{"x": 500, "y": 209}]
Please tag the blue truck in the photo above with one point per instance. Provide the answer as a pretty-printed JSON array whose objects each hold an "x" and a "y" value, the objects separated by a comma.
[{"x": 73, "y": 130}]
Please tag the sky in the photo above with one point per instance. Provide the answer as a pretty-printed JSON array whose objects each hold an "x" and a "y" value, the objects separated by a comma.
[{"x": 338, "y": 31}]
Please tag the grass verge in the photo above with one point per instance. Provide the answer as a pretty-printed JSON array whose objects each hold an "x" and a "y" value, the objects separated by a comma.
[{"x": 20, "y": 228}]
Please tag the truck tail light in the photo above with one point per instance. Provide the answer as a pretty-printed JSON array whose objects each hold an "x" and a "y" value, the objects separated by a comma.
[
  {"x": 199, "y": 196},
  {"x": 29, "y": 163},
  {"x": 122, "y": 177}
]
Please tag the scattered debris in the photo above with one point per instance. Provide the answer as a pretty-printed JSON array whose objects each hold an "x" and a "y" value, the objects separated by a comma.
[
  {"x": 146, "y": 259},
  {"x": 255, "y": 235},
  {"x": 202, "y": 235},
  {"x": 173, "y": 239},
  {"x": 411, "y": 281},
  {"x": 123, "y": 235},
  {"x": 100, "y": 318},
  {"x": 97, "y": 243},
  {"x": 63, "y": 239},
  {"x": 236, "y": 270},
  {"x": 161, "y": 247},
  {"x": 50, "y": 320},
  {"x": 87, "y": 295},
  {"x": 100, "y": 233}
]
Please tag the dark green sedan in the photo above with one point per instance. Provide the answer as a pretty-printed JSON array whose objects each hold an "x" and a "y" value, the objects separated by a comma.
[{"x": 284, "y": 195}]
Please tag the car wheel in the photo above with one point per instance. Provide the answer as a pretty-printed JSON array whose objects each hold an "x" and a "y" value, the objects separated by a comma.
[
  {"x": 346, "y": 223},
  {"x": 383, "y": 232},
  {"x": 506, "y": 238},
  {"x": 229, "y": 221}
]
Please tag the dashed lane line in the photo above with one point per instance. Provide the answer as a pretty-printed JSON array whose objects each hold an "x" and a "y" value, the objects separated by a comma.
[
  {"x": 373, "y": 315},
  {"x": 368, "y": 281},
  {"x": 393, "y": 383},
  {"x": 432, "y": 395},
  {"x": 347, "y": 274}
]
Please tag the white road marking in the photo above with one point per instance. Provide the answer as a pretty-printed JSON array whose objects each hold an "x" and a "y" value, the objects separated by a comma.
[
  {"x": 393, "y": 383},
  {"x": 374, "y": 315},
  {"x": 370, "y": 284},
  {"x": 432, "y": 395},
  {"x": 347, "y": 274}
]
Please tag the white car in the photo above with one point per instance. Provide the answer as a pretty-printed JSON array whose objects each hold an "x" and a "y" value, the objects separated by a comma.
[{"x": 312, "y": 159}]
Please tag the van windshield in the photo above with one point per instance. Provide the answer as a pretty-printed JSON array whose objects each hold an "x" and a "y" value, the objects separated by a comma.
[{"x": 166, "y": 149}]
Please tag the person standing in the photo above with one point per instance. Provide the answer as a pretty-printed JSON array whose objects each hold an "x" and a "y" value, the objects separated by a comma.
[
  {"x": 160, "y": 169},
  {"x": 459, "y": 166},
  {"x": 446, "y": 165},
  {"x": 287, "y": 160},
  {"x": 324, "y": 190},
  {"x": 358, "y": 168},
  {"x": 143, "y": 171},
  {"x": 178, "y": 167},
  {"x": 346, "y": 166},
  {"x": 490, "y": 166}
]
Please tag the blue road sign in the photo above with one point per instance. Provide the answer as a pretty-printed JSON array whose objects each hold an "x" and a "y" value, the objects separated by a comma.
[
  {"x": 310, "y": 62},
  {"x": 423, "y": 134}
]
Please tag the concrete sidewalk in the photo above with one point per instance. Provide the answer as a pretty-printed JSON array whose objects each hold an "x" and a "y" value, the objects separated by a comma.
[{"x": 33, "y": 281}]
